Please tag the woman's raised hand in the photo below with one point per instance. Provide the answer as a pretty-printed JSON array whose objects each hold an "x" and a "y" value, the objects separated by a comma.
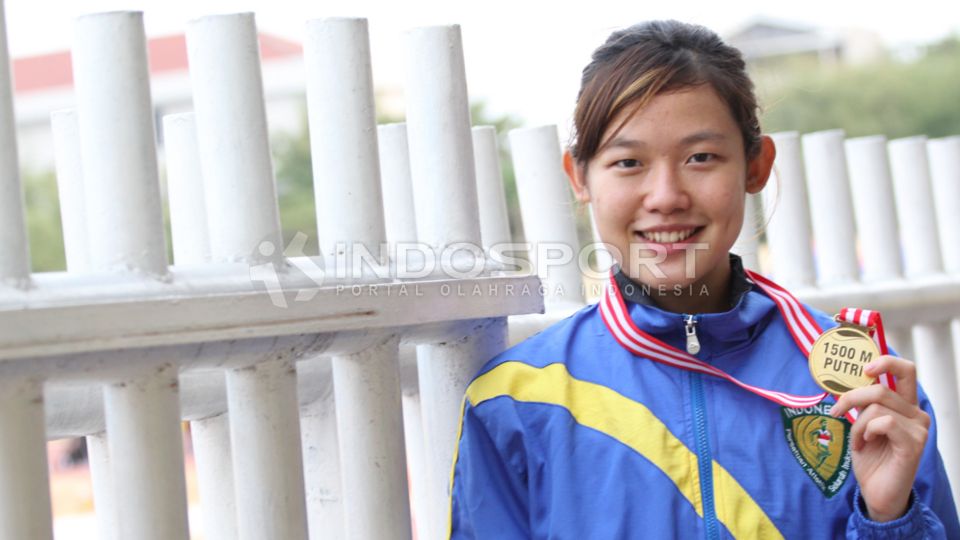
[{"x": 888, "y": 437}]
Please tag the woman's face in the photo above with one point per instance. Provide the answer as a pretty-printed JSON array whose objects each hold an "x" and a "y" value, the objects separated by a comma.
[{"x": 668, "y": 190}]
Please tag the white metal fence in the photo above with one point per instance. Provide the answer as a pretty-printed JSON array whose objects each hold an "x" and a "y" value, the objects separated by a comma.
[{"x": 249, "y": 344}]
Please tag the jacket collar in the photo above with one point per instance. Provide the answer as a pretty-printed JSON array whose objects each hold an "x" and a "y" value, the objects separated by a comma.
[{"x": 749, "y": 307}]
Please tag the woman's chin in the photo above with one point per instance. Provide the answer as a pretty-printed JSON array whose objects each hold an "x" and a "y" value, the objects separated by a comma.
[{"x": 666, "y": 281}]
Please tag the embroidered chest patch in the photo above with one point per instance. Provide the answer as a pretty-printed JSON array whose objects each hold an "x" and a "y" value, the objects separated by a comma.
[{"x": 820, "y": 443}]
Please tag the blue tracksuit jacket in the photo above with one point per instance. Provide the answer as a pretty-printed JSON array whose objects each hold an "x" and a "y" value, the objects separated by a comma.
[{"x": 569, "y": 435}]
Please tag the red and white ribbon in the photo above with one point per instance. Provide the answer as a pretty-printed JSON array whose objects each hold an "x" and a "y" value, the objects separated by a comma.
[
  {"x": 874, "y": 323},
  {"x": 801, "y": 324}
]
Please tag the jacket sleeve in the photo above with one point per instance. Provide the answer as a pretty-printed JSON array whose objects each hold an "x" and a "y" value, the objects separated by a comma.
[
  {"x": 488, "y": 492},
  {"x": 931, "y": 512}
]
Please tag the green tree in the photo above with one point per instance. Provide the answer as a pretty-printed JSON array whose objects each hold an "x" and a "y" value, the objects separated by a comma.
[
  {"x": 892, "y": 98},
  {"x": 43, "y": 221}
]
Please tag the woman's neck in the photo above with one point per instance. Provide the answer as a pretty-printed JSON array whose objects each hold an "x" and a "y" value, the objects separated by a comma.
[{"x": 709, "y": 294}]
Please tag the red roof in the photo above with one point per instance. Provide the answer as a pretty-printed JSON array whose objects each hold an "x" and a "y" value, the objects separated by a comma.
[{"x": 167, "y": 54}]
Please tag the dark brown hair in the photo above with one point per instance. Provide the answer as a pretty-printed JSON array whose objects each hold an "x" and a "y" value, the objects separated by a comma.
[{"x": 637, "y": 63}]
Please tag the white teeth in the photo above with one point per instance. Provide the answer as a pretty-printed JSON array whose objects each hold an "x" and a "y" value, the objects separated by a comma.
[{"x": 668, "y": 237}]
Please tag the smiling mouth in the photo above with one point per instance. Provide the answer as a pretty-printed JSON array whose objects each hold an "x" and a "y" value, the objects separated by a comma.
[{"x": 667, "y": 237}]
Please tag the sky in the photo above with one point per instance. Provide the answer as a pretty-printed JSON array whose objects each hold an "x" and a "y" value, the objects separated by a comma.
[{"x": 522, "y": 58}]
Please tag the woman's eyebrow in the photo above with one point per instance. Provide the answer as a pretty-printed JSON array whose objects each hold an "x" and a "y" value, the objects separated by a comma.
[
  {"x": 623, "y": 142},
  {"x": 702, "y": 136}
]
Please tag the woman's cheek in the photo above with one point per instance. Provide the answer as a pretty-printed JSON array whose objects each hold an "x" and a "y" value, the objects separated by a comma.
[{"x": 732, "y": 198}]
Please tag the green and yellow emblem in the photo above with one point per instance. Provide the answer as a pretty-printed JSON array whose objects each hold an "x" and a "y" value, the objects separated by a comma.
[{"x": 820, "y": 443}]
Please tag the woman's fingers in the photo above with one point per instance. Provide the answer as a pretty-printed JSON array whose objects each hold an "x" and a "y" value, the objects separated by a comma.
[
  {"x": 876, "y": 419},
  {"x": 866, "y": 416},
  {"x": 902, "y": 433},
  {"x": 875, "y": 393},
  {"x": 904, "y": 370},
  {"x": 904, "y": 400}
]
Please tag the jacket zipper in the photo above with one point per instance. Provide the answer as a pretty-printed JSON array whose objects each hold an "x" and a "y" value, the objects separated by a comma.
[
  {"x": 702, "y": 438},
  {"x": 690, "y": 327}
]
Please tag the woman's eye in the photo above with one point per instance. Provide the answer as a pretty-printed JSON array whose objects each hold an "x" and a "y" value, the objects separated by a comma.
[
  {"x": 627, "y": 163},
  {"x": 702, "y": 157}
]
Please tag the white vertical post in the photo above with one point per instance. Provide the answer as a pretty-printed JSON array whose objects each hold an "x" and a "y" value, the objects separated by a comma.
[
  {"x": 73, "y": 216},
  {"x": 494, "y": 222},
  {"x": 231, "y": 124},
  {"x": 873, "y": 199},
  {"x": 445, "y": 193},
  {"x": 413, "y": 439},
  {"x": 786, "y": 206},
  {"x": 932, "y": 343},
  {"x": 547, "y": 210},
  {"x": 267, "y": 459},
  {"x": 416, "y": 459},
  {"x": 444, "y": 372},
  {"x": 125, "y": 231},
  {"x": 397, "y": 186},
  {"x": 214, "y": 461},
  {"x": 874, "y": 208},
  {"x": 936, "y": 372},
  {"x": 401, "y": 224},
  {"x": 24, "y": 486},
  {"x": 831, "y": 210},
  {"x": 438, "y": 130},
  {"x": 349, "y": 209},
  {"x": 188, "y": 211},
  {"x": 944, "y": 157},
  {"x": 98, "y": 457},
  {"x": 343, "y": 135},
  {"x": 146, "y": 456},
  {"x": 914, "y": 195},
  {"x": 748, "y": 242},
  {"x": 240, "y": 194},
  {"x": 901, "y": 339},
  {"x": 191, "y": 245},
  {"x": 15, "y": 255},
  {"x": 118, "y": 144},
  {"x": 66, "y": 145},
  {"x": 321, "y": 464},
  {"x": 370, "y": 430}
]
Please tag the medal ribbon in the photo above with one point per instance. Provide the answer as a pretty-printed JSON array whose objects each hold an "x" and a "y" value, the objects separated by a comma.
[
  {"x": 874, "y": 324},
  {"x": 800, "y": 323}
]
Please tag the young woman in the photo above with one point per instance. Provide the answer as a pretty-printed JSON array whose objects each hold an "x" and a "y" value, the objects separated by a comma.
[{"x": 675, "y": 407}]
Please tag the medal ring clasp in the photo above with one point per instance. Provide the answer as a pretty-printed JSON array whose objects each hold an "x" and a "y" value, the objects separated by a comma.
[{"x": 838, "y": 320}]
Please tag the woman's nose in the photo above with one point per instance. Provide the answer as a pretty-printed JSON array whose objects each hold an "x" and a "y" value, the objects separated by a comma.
[{"x": 665, "y": 192}]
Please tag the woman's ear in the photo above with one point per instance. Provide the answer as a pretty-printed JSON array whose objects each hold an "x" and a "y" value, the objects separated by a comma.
[
  {"x": 577, "y": 176},
  {"x": 758, "y": 170}
]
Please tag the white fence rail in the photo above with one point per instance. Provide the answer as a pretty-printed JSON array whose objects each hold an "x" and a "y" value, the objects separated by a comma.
[{"x": 326, "y": 406}]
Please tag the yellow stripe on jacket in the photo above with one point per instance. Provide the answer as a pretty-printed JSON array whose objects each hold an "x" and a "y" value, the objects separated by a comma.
[{"x": 634, "y": 425}]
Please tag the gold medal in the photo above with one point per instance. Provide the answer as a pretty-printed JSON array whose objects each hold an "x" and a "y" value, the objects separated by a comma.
[{"x": 839, "y": 356}]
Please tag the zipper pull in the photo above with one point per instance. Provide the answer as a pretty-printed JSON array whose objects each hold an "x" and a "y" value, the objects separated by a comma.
[{"x": 693, "y": 344}]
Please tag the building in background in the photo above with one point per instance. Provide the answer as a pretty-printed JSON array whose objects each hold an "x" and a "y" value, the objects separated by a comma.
[
  {"x": 767, "y": 41},
  {"x": 44, "y": 83}
]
